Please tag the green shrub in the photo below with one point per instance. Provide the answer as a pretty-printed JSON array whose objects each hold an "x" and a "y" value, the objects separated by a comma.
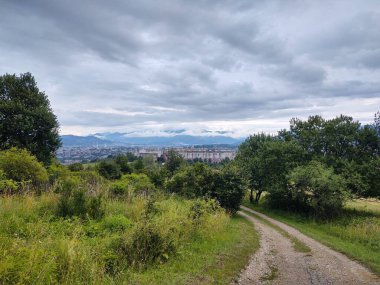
[
  {"x": 76, "y": 166},
  {"x": 312, "y": 188},
  {"x": 57, "y": 172},
  {"x": 20, "y": 166},
  {"x": 119, "y": 189},
  {"x": 229, "y": 189},
  {"x": 116, "y": 223},
  {"x": 123, "y": 162},
  {"x": 76, "y": 201},
  {"x": 109, "y": 169},
  {"x": 146, "y": 245},
  {"x": 7, "y": 186},
  {"x": 132, "y": 184},
  {"x": 199, "y": 180}
]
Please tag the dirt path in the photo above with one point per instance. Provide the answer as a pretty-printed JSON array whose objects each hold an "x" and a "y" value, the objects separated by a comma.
[{"x": 277, "y": 262}]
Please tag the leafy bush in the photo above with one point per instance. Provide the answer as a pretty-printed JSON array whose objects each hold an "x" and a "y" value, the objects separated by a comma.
[
  {"x": 109, "y": 169},
  {"x": 312, "y": 188},
  {"x": 57, "y": 172},
  {"x": 193, "y": 181},
  {"x": 229, "y": 189},
  {"x": 75, "y": 201},
  {"x": 158, "y": 175},
  {"x": 199, "y": 180},
  {"x": 174, "y": 161},
  {"x": 7, "y": 186},
  {"x": 76, "y": 166},
  {"x": 119, "y": 189},
  {"x": 123, "y": 162},
  {"x": 20, "y": 166},
  {"x": 116, "y": 223},
  {"x": 146, "y": 245},
  {"x": 132, "y": 184}
]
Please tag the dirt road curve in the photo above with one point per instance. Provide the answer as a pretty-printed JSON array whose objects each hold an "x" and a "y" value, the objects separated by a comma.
[{"x": 276, "y": 262}]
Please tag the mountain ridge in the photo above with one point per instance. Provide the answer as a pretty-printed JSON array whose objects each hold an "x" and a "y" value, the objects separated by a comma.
[{"x": 120, "y": 139}]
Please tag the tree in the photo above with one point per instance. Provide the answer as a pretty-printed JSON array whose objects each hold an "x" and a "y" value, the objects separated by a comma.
[
  {"x": 20, "y": 166},
  {"x": 228, "y": 189},
  {"x": 247, "y": 161},
  {"x": 26, "y": 118},
  {"x": 123, "y": 162},
  {"x": 266, "y": 161},
  {"x": 200, "y": 180},
  {"x": 174, "y": 161},
  {"x": 341, "y": 143},
  {"x": 138, "y": 165},
  {"x": 377, "y": 123}
]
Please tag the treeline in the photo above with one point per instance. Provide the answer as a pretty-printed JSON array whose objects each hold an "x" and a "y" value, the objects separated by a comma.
[{"x": 315, "y": 166}]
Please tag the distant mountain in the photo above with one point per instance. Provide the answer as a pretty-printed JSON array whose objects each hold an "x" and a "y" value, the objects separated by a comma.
[
  {"x": 113, "y": 139},
  {"x": 71, "y": 140}
]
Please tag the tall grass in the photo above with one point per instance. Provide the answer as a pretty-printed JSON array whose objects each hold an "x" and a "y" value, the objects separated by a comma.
[{"x": 38, "y": 246}]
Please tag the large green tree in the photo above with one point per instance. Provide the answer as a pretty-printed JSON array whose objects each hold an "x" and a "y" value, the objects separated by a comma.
[
  {"x": 26, "y": 118},
  {"x": 249, "y": 164}
]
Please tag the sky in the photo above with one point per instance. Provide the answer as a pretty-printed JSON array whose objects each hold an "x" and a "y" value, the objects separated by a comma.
[{"x": 235, "y": 67}]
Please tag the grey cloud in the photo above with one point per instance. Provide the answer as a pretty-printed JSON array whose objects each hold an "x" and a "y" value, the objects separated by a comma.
[
  {"x": 131, "y": 63},
  {"x": 300, "y": 73}
]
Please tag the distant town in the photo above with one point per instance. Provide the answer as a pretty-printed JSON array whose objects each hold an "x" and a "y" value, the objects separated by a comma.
[{"x": 208, "y": 154}]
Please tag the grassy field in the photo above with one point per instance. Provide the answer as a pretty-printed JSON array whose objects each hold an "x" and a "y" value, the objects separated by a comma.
[
  {"x": 217, "y": 260},
  {"x": 39, "y": 247},
  {"x": 355, "y": 233}
]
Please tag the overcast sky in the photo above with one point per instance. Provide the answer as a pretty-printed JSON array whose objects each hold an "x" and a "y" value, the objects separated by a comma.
[{"x": 239, "y": 66}]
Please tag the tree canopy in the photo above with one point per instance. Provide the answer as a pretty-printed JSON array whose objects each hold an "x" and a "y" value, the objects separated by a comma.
[{"x": 26, "y": 118}]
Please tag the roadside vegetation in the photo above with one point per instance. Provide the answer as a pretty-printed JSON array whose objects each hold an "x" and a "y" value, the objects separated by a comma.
[{"x": 72, "y": 225}]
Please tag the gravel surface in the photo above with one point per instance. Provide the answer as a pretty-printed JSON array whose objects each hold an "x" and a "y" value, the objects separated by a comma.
[{"x": 276, "y": 261}]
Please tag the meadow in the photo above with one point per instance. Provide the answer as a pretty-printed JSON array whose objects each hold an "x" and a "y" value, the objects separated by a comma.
[
  {"x": 136, "y": 241},
  {"x": 355, "y": 232}
]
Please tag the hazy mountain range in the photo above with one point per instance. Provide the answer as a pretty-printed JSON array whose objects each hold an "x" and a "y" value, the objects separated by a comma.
[{"x": 128, "y": 139}]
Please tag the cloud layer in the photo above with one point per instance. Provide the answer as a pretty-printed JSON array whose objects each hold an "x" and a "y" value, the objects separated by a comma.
[{"x": 232, "y": 66}]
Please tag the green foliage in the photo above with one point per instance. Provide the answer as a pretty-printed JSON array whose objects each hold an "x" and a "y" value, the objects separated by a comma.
[
  {"x": 56, "y": 172},
  {"x": 173, "y": 161},
  {"x": 22, "y": 167},
  {"x": 132, "y": 184},
  {"x": 376, "y": 123},
  {"x": 341, "y": 143},
  {"x": 265, "y": 161},
  {"x": 76, "y": 201},
  {"x": 146, "y": 245},
  {"x": 199, "y": 180},
  {"x": 109, "y": 169},
  {"x": 73, "y": 236},
  {"x": 26, "y": 119},
  {"x": 158, "y": 175},
  {"x": 116, "y": 223},
  {"x": 7, "y": 186},
  {"x": 123, "y": 162},
  {"x": 138, "y": 165},
  {"x": 196, "y": 180},
  {"x": 314, "y": 187},
  {"x": 229, "y": 189},
  {"x": 76, "y": 166}
]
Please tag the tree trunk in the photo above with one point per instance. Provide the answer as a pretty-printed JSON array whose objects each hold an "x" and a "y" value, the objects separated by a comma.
[
  {"x": 251, "y": 197},
  {"x": 258, "y": 195}
]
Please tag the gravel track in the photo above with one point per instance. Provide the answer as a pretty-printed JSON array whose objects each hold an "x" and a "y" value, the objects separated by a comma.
[{"x": 276, "y": 261}]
